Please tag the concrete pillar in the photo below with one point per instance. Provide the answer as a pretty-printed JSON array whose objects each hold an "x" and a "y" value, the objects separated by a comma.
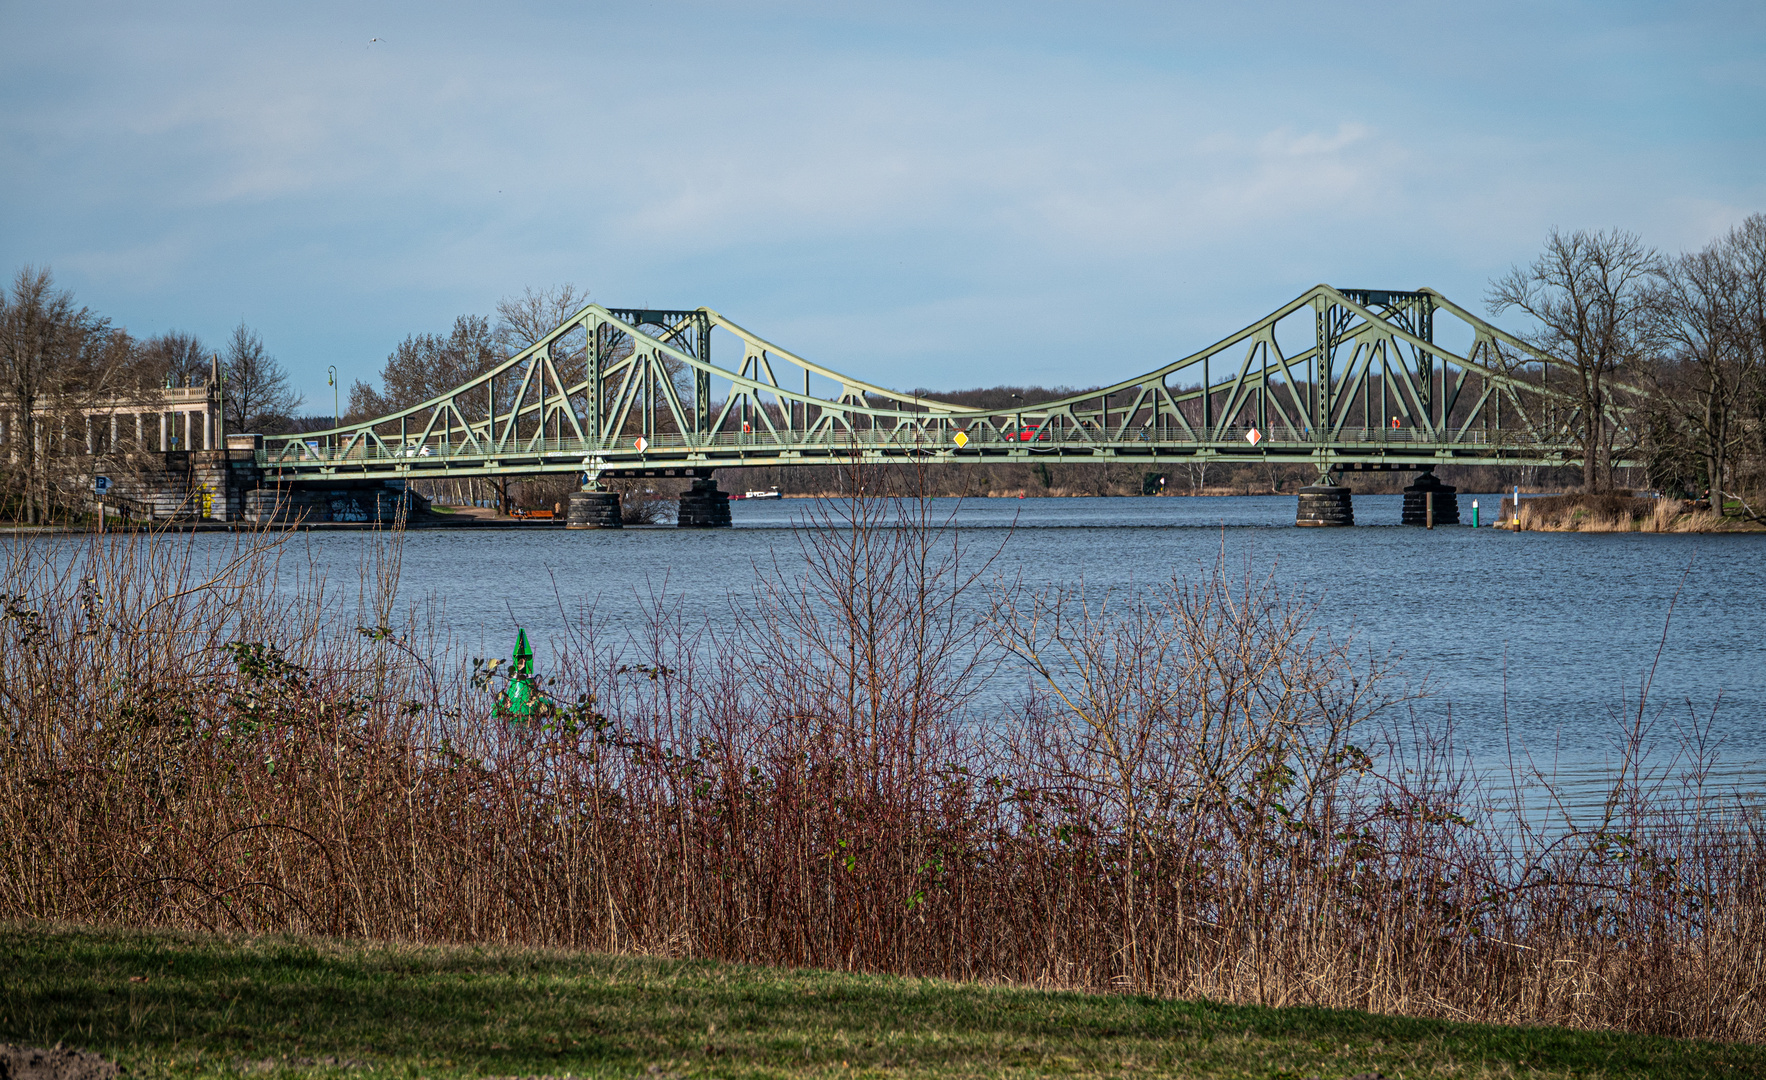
[
  {"x": 185, "y": 445},
  {"x": 207, "y": 431},
  {"x": 162, "y": 432},
  {"x": 113, "y": 433},
  {"x": 140, "y": 434},
  {"x": 90, "y": 449}
]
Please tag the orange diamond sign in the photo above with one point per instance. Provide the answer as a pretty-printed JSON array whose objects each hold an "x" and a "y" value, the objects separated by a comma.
[
  {"x": 1253, "y": 436},
  {"x": 640, "y": 444}
]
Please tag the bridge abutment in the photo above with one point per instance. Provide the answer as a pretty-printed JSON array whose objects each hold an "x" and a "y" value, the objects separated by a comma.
[
  {"x": 593, "y": 510},
  {"x": 360, "y": 503},
  {"x": 185, "y": 486}
]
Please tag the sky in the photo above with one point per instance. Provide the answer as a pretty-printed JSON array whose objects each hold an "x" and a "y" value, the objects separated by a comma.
[{"x": 930, "y": 195}]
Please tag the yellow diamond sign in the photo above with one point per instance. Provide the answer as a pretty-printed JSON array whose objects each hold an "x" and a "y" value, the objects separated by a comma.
[{"x": 962, "y": 439}]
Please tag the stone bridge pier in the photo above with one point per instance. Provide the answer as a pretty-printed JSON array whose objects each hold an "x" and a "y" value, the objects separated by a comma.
[{"x": 1427, "y": 502}]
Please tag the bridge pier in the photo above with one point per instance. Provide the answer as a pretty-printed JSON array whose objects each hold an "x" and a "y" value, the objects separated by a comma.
[
  {"x": 593, "y": 510},
  {"x": 1326, "y": 505},
  {"x": 1418, "y": 496},
  {"x": 704, "y": 507}
]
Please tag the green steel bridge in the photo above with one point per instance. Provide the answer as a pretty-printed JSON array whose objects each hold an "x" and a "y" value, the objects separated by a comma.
[{"x": 1338, "y": 378}]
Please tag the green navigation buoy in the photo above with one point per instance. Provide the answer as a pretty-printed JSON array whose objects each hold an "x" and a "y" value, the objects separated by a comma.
[{"x": 522, "y": 695}]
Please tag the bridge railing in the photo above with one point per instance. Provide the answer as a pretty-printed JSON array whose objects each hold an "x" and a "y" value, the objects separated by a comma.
[{"x": 940, "y": 438}]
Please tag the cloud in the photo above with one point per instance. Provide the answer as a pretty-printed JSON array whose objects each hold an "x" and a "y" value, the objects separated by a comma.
[{"x": 908, "y": 189}]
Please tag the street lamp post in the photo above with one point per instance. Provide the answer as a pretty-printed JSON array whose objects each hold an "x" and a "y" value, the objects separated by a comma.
[{"x": 336, "y": 413}]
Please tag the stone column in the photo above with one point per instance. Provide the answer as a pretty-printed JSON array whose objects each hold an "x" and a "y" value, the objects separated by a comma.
[
  {"x": 162, "y": 432},
  {"x": 113, "y": 433},
  {"x": 90, "y": 448},
  {"x": 140, "y": 433},
  {"x": 206, "y": 441},
  {"x": 185, "y": 445},
  {"x": 1325, "y": 504}
]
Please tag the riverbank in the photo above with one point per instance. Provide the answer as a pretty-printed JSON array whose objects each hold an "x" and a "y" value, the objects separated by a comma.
[
  {"x": 335, "y": 765},
  {"x": 186, "y": 1005},
  {"x": 1621, "y": 512}
]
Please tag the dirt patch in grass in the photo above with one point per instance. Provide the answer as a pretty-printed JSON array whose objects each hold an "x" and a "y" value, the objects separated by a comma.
[{"x": 54, "y": 1063}]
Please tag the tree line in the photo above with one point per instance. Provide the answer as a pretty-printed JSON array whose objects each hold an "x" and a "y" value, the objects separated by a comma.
[{"x": 1668, "y": 354}]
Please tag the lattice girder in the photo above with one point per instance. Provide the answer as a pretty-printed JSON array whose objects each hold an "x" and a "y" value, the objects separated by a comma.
[{"x": 645, "y": 401}]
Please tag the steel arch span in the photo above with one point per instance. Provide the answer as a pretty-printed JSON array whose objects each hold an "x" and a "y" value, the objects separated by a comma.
[{"x": 1339, "y": 378}]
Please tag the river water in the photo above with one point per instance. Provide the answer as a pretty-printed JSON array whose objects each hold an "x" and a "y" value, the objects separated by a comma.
[{"x": 1533, "y": 640}]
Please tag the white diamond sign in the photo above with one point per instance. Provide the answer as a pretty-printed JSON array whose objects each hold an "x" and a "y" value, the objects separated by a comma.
[
  {"x": 640, "y": 444},
  {"x": 961, "y": 439},
  {"x": 1253, "y": 436}
]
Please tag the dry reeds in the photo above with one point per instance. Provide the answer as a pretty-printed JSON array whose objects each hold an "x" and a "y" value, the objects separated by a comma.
[
  {"x": 1197, "y": 796},
  {"x": 1610, "y": 512}
]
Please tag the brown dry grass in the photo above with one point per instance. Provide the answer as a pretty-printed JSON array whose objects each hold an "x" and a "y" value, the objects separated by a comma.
[
  {"x": 1197, "y": 797},
  {"x": 1612, "y": 512}
]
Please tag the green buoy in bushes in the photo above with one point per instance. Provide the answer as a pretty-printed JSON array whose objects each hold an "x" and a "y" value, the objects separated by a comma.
[{"x": 522, "y": 695}]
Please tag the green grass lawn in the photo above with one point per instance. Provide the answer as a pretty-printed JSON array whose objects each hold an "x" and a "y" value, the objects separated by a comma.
[{"x": 177, "y": 1005}]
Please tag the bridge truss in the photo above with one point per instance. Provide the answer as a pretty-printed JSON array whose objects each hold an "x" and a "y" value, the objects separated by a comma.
[{"x": 1339, "y": 378}]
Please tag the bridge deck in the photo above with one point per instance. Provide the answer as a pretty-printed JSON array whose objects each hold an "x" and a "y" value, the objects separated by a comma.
[{"x": 1390, "y": 447}]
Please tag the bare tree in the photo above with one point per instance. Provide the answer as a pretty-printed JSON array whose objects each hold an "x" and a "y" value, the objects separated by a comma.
[
  {"x": 174, "y": 358},
  {"x": 51, "y": 353},
  {"x": 525, "y": 319},
  {"x": 425, "y": 366},
  {"x": 258, "y": 395},
  {"x": 1746, "y": 246},
  {"x": 1702, "y": 373},
  {"x": 1589, "y": 293}
]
